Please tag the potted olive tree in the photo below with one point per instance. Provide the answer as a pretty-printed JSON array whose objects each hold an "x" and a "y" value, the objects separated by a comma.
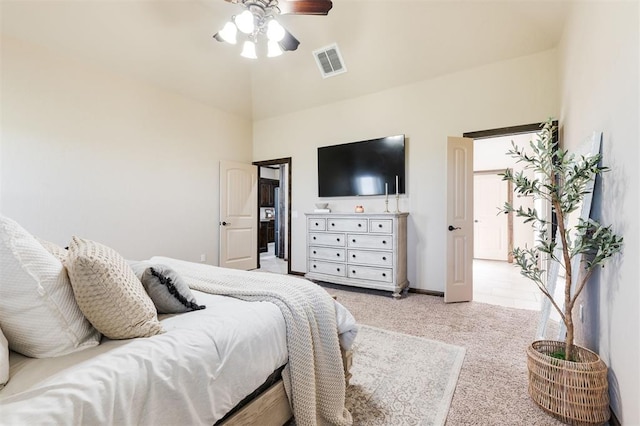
[{"x": 566, "y": 380}]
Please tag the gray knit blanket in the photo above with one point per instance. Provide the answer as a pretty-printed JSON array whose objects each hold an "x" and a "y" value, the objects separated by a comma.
[{"x": 314, "y": 376}]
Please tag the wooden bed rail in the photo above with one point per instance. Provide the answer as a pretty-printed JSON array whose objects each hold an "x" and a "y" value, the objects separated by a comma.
[{"x": 271, "y": 407}]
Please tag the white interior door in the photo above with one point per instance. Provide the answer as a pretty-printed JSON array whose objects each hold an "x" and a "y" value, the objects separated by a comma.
[
  {"x": 238, "y": 215},
  {"x": 491, "y": 230},
  {"x": 459, "y": 285}
]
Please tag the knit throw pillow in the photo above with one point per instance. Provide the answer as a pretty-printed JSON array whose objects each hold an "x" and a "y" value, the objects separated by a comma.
[{"x": 108, "y": 292}]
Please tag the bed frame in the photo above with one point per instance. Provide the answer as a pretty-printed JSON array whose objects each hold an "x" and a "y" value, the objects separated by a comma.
[{"x": 271, "y": 407}]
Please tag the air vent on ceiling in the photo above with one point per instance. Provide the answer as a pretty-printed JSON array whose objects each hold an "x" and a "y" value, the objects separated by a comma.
[{"x": 329, "y": 61}]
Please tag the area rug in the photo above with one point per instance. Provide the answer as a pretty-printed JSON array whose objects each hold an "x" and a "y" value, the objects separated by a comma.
[{"x": 400, "y": 379}]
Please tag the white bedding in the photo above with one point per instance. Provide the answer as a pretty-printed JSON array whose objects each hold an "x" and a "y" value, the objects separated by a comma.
[
  {"x": 204, "y": 364},
  {"x": 313, "y": 377},
  {"x": 197, "y": 371}
]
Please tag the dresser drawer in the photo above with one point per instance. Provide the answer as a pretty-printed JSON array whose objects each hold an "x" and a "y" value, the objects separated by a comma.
[
  {"x": 317, "y": 224},
  {"x": 378, "y": 258},
  {"x": 326, "y": 253},
  {"x": 373, "y": 274},
  {"x": 328, "y": 268},
  {"x": 327, "y": 239},
  {"x": 380, "y": 226},
  {"x": 348, "y": 225},
  {"x": 370, "y": 241}
]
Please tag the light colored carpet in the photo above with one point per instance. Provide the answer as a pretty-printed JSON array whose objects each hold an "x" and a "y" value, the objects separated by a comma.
[
  {"x": 400, "y": 379},
  {"x": 492, "y": 386}
]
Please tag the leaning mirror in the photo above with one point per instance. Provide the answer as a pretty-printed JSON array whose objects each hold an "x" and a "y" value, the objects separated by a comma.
[{"x": 555, "y": 268}]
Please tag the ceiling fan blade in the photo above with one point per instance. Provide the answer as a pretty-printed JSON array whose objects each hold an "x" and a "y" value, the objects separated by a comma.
[
  {"x": 289, "y": 42},
  {"x": 304, "y": 7}
]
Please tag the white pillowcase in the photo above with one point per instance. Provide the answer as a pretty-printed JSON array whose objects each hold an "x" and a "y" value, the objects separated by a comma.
[
  {"x": 54, "y": 249},
  {"x": 4, "y": 360},
  {"x": 38, "y": 311}
]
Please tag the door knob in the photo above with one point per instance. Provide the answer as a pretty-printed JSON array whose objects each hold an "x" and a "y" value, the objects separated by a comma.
[
  {"x": 225, "y": 223},
  {"x": 452, "y": 228}
]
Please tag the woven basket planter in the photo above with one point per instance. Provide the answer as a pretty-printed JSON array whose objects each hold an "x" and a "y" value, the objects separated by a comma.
[{"x": 574, "y": 392}]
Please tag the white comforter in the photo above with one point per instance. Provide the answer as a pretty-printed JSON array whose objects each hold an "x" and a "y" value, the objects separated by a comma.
[
  {"x": 204, "y": 364},
  {"x": 314, "y": 377}
]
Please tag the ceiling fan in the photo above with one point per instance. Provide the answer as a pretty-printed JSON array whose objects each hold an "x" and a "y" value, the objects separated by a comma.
[{"x": 258, "y": 20}]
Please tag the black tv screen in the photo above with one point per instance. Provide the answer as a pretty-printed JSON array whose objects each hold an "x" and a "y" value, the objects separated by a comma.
[{"x": 362, "y": 168}]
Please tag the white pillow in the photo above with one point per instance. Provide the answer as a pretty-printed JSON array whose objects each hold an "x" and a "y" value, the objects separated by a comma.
[
  {"x": 38, "y": 312},
  {"x": 54, "y": 249},
  {"x": 4, "y": 360},
  {"x": 109, "y": 293}
]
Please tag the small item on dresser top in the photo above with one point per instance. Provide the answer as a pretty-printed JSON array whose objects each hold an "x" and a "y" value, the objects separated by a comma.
[
  {"x": 359, "y": 209},
  {"x": 322, "y": 208}
]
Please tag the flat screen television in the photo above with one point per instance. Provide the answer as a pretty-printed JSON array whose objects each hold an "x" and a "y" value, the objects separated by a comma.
[{"x": 362, "y": 168}]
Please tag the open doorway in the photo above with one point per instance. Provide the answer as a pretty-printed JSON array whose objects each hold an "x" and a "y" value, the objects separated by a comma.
[
  {"x": 496, "y": 279},
  {"x": 274, "y": 218}
]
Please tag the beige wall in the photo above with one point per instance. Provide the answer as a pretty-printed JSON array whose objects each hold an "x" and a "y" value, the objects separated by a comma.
[
  {"x": 600, "y": 92},
  {"x": 508, "y": 93},
  {"x": 89, "y": 153}
]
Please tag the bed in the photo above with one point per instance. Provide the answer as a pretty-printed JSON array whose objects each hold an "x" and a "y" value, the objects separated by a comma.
[{"x": 232, "y": 363}]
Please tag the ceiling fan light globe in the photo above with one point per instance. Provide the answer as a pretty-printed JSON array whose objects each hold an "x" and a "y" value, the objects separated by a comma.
[
  {"x": 273, "y": 49},
  {"x": 244, "y": 21},
  {"x": 275, "y": 31},
  {"x": 249, "y": 50},
  {"x": 229, "y": 32}
]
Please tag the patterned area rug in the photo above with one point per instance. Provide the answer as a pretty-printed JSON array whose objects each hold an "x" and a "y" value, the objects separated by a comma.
[{"x": 400, "y": 379}]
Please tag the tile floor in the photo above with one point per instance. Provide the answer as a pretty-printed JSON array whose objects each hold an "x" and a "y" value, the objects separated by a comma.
[
  {"x": 270, "y": 263},
  {"x": 500, "y": 283}
]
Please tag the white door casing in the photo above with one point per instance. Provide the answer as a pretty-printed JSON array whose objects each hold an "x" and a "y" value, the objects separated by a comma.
[
  {"x": 490, "y": 228},
  {"x": 459, "y": 284},
  {"x": 238, "y": 215}
]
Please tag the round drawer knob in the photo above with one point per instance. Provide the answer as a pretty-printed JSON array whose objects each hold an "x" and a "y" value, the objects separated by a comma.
[
  {"x": 353, "y": 272},
  {"x": 317, "y": 223},
  {"x": 314, "y": 238},
  {"x": 384, "y": 242},
  {"x": 353, "y": 241},
  {"x": 384, "y": 275},
  {"x": 383, "y": 257},
  {"x": 338, "y": 254},
  {"x": 379, "y": 225},
  {"x": 338, "y": 239},
  {"x": 333, "y": 224},
  {"x": 314, "y": 266},
  {"x": 353, "y": 255},
  {"x": 359, "y": 225},
  {"x": 314, "y": 252},
  {"x": 338, "y": 269}
]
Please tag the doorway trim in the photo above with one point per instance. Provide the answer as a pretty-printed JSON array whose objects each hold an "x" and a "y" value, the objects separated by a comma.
[
  {"x": 277, "y": 162},
  {"x": 506, "y": 131}
]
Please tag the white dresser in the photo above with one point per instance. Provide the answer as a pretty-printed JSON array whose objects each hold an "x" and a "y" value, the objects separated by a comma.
[{"x": 358, "y": 249}]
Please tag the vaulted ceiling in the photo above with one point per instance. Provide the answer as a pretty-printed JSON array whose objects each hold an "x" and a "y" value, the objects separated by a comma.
[{"x": 384, "y": 43}]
